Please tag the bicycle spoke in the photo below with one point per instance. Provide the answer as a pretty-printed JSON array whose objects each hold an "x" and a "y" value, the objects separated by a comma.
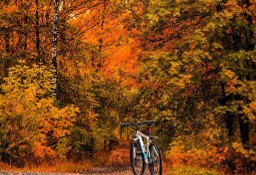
[
  {"x": 156, "y": 164},
  {"x": 137, "y": 161}
]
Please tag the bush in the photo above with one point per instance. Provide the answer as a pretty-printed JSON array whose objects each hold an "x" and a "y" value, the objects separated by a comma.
[
  {"x": 202, "y": 149},
  {"x": 32, "y": 128}
]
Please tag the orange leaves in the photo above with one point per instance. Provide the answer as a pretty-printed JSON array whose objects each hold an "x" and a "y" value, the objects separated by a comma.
[
  {"x": 119, "y": 157},
  {"x": 233, "y": 6},
  {"x": 123, "y": 57},
  {"x": 55, "y": 122},
  {"x": 10, "y": 9},
  {"x": 41, "y": 151},
  {"x": 196, "y": 150}
]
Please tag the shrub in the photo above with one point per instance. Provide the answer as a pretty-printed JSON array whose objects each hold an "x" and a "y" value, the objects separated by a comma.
[{"x": 32, "y": 128}]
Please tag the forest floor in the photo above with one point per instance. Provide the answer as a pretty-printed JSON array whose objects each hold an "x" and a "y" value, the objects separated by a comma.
[
  {"x": 103, "y": 170},
  {"x": 94, "y": 171}
]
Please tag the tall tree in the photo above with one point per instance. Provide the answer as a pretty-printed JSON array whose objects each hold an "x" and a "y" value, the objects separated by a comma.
[
  {"x": 37, "y": 28},
  {"x": 54, "y": 49}
]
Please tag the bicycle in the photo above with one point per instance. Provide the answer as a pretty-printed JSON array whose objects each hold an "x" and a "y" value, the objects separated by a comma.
[{"x": 144, "y": 154}]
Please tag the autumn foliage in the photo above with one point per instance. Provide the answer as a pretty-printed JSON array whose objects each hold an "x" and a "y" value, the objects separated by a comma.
[
  {"x": 190, "y": 65},
  {"x": 32, "y": 127}
]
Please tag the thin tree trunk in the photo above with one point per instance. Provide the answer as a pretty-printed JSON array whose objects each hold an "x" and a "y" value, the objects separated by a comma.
[
  {"x": 54, "y": 49},
  {"x": 229, "y": 118},
  {"x": 39, "y": 59},
  {"x": 244, "y": 130},
  {"x": 97, "y": 61},
  {"x": 100, "y": 61}
]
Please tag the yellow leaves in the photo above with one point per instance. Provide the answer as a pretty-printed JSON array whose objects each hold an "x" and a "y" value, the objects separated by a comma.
[
  {"x": 32, "y": 81},
  {"x": 250, "y": 111},
  {"x": 244, "y": 88},
  {"x": 231, "y": 80},
  {"x": 227, "y": 15},
  {"x": 239, "y": 148},
  {"x": 183, "y": 81},
  {"x": 195, "y": 150},
  {"x": 30, "y": 93},
  {"x": 217, "y": 46},
  {"x": 55, "y": 120},
  {"x": 175, "y": 67},
  {"x": 30, "y": 116}
]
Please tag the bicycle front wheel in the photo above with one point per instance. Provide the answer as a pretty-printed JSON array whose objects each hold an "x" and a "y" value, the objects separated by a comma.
[
  {"x": 155, "y": 165},
  {"x": 136, "y": 158}
]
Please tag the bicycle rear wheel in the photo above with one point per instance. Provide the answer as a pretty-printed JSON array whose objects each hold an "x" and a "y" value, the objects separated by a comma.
[
  {"x": 155, "y": 165},
  {"x": 137, "y": 160}
]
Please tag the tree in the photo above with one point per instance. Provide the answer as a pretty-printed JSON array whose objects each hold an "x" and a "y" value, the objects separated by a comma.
[
  {"x": 198, "y": 62},
  {"x": 54, "y": 48}
]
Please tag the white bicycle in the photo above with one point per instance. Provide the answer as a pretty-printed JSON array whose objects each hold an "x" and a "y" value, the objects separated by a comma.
[{"x": 144, "y": 154}]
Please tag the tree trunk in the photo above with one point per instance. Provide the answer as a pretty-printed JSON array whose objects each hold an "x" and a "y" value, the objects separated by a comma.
[
  {"x": 39, "y": 59},
  {"x": 101, "y": 39},
  {"x": 244, "y": 130},
  {"x": 54, "y": 49},
  {"x": 229, "y": 118},
  {"x": 97, "y": 61}
]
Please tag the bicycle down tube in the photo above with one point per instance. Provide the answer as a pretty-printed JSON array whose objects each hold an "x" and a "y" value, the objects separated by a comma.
[{"x": 142, "y": 145}]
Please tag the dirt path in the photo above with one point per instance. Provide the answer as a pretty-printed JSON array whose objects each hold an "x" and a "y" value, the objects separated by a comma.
[
  {"x": 96, "y": 171},
  {"x": 104, "y": 171},
  {"x": 120, "y": 171}
]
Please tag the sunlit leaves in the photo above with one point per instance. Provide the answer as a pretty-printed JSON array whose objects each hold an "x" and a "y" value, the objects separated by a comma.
[
  {"x": 23, "y": 77},
  {"x": 29, "y": 117}
]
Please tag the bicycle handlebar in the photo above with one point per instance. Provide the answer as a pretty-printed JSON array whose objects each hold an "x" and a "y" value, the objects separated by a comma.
[{"x": 149, "y": 122}]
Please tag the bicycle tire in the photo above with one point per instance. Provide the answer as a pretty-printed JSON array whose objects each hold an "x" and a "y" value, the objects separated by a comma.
[
  {"x": 155, "y": 166},
  {"x": 136, "y": 159}
]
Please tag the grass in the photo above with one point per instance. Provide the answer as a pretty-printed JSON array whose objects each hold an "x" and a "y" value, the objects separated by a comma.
[
  {"x": 98, "y": 161},
  {"x": 60, "y": 167},
  {"x": 188, "y": 170}
]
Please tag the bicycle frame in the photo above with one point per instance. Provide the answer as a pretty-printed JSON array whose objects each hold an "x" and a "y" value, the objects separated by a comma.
[
  {"x": 138, "y": 138},
  {"x": 144, "y": 148}
]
